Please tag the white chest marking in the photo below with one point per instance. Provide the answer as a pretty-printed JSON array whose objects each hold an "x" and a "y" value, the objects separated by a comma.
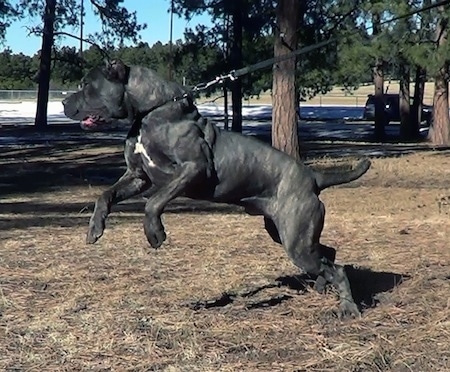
[{"x": 140, "y": 149}]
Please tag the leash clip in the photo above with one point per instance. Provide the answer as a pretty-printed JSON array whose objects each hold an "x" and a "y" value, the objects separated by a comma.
[{"x": 232, "y": 75}]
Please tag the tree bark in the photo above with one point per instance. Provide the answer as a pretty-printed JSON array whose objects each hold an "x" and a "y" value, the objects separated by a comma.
[
  {"x": 380, "y": 113},
  {"x": 285, "y": 105},
  {"x": 45, "y": 64},
  {"x": 419, "y": 90},
  {"x": 407, "y": 131},
  {"x": 439, "y": 133},
  {"x": 378, "y": 80},
  {"x": 236, "y": 63}
]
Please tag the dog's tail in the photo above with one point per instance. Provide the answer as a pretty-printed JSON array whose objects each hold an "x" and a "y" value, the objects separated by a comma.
[{"x": 327, "y": 179}]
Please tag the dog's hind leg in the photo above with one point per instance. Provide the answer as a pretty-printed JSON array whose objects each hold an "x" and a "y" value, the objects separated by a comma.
[
  {"x": 271, "y": 228},
  {"x": 300, "y": 230},
  {"x": 130, "y": 184}
]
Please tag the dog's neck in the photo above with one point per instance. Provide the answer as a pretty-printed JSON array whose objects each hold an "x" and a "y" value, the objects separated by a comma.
[
  {"x": 148, "y": 101},
  {"x": 145, "y": 98}
]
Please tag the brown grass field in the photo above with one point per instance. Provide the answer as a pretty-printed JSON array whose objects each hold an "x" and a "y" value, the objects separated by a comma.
[{"x": 219, "y": 295}]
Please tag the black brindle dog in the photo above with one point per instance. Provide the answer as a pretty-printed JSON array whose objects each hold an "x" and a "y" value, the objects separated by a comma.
[{"x": 173, "y": 151}]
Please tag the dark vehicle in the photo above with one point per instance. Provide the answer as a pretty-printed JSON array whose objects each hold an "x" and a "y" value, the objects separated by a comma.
[{"x": 392, "y": 110}]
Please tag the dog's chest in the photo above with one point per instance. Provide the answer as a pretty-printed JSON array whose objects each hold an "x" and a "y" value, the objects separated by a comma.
[
  {"x": 140, "y": 149},
  {"x": 158, "y": 167}
]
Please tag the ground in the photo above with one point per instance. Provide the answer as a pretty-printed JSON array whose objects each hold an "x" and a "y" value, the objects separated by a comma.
[{"x": 219, "y": 295}]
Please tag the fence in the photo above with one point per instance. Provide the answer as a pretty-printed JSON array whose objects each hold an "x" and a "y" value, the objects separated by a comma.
[
  {"x": 321, "y": 100},
  {"x": 330, "y": 99},
  {"x": 30, "y": 95}
]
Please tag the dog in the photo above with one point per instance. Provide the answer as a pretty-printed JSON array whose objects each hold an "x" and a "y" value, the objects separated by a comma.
[{"x": 173, "y": 151}]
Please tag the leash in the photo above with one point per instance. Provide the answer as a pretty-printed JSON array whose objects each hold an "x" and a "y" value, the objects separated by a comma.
[{"x": 235, "y": 74}]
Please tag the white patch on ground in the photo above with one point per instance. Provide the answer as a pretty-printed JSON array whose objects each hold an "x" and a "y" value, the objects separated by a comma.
[
  {"x": 256, "y": 121},
  {"x": 140, "y": 149}
]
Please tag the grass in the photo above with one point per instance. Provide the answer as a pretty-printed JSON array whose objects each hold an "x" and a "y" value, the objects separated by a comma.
[{"x": 220, "y": 295}]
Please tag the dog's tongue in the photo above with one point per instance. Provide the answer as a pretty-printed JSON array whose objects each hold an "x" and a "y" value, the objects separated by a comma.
[{"x": 88, "y": 121}]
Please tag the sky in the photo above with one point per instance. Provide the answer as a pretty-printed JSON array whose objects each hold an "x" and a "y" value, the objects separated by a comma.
[{"x": 152, "y": 12}]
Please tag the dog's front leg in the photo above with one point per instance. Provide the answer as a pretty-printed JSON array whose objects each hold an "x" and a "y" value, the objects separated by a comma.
[
  {"x": 129, "y": 185},
  {"x": 335, "y": 274},
  {"x": 188, "y": 174}
]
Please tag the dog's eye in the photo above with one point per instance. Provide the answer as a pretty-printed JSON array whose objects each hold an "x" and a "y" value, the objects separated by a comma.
[{"x": 82, "y": 85}]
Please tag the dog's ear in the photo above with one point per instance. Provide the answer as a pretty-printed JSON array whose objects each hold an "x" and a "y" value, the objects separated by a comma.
[{"x": 116, "y": 70}]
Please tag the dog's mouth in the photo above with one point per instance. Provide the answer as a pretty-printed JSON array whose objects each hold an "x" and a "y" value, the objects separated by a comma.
[{"x": 93, "y": 122}]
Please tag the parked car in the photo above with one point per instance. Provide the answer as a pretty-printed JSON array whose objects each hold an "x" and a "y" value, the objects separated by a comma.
[{"x": 392, "y": 109}]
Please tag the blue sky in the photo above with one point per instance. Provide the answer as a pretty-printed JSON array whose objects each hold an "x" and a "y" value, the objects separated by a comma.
[{"x": 153, "y": 12}]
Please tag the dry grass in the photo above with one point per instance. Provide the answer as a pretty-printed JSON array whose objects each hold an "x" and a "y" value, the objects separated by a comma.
[{"x": 119, "y": 306}]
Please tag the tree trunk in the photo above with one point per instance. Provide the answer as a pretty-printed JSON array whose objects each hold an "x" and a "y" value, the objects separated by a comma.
[
  {"x": 225, "y": 108},
  {"x": 407, "y": 131},
  {"x": 378, "y": 80},
  {"x": 236, "y": 63},
  {"x": 285, "y": 105},
  {"x": 419, "y": 90},
  {"x": 45, "y": 64},
  {"x": 439, "y": 133},
  {"x": 380, "y": 113}
]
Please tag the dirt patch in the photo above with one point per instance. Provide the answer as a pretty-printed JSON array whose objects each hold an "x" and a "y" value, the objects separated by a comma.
[{"x": 219, "y": 295}]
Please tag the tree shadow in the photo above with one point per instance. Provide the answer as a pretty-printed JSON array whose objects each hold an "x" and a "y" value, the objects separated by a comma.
[
  {"x": 366, "y": 287},
  {"x": 74, "y": 214},
  {"x": 35, "y": 161}
]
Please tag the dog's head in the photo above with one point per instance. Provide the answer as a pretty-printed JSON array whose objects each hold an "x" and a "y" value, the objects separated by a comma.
[{"x": 101, "y": 98}]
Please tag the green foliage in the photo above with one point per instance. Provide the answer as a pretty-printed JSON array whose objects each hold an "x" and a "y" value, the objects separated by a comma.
[
  {"x": 8, "y": 13},
  {"x": 204, "y": 54},
  {"x": 67, "y": 67},
  {"x": 118, "y": 24},
  {"x": 16, "y": 71}
]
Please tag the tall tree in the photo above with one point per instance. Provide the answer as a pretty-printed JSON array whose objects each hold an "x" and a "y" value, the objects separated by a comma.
[
  {"x": 236, "y": 63},
  {"x": 284, "y": 92},
  {"x": 403, "y": 34},
  {"x": 439, "y": 134},
  {"x": 420, "y": 51},
  {"x": 408, "y": 129},
  {"x": 378, "y": 81},
  {"x": 40, "y": 120},
  {"x": 117, "y": 25}
]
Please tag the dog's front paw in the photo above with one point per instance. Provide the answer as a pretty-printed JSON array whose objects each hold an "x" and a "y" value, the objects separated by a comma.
[
  {"x": 320, "y": 284},
  {"x": 348, "y": 309},
  {"x": 154, "y": 231},
  {"x": 95, "y": 232}
]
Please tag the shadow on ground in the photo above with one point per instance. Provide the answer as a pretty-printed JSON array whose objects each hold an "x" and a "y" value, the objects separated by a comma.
[
  {"x": 74, "y": 214},
  {"x": 366, "y": 285},
  {"x": 33, "y": 162}
]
